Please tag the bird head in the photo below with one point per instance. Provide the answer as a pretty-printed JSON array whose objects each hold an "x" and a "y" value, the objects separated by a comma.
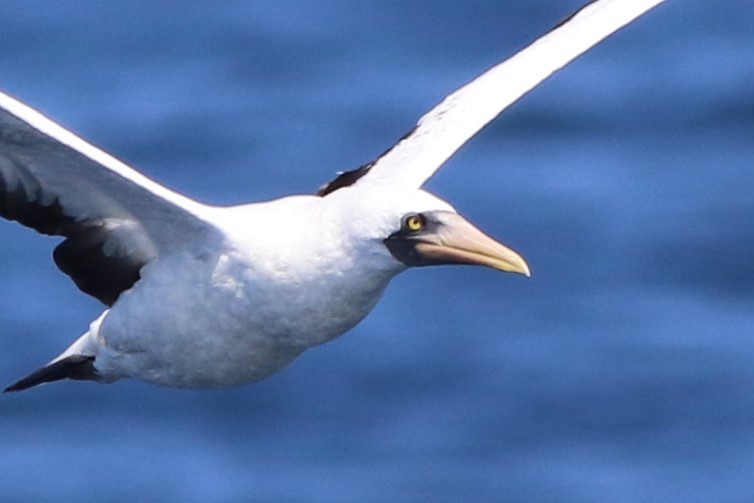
[{"x": 420, "y": 229}]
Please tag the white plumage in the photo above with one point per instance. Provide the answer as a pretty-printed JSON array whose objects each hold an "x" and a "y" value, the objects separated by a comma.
[{"x": 203, "y": 296}]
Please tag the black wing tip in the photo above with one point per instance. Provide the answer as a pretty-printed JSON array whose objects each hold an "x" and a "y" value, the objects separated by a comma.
[{"x": 77, "y": 367}]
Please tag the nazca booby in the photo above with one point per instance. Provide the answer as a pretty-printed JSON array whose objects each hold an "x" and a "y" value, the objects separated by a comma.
[{"x": 206, "y": 296}]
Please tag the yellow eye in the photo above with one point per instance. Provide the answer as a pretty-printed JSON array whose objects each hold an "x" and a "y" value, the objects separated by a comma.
[{"x": 414, "y": 222}]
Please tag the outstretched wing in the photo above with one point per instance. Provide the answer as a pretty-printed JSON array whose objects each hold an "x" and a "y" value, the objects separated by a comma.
[
  {"x": 114, "y": 219},
  {"x": 449, "y": 125}
]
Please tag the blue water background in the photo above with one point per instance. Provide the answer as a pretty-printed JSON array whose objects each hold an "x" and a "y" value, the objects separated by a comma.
[{"x": 622, "y": 371}]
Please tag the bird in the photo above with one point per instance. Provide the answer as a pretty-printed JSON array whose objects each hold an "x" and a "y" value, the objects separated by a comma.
[{"x": 203, "y": 296}]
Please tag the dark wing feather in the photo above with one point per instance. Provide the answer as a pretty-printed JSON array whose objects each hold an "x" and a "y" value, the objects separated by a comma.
[
  {"x": 82, "y": 254},
  {"x": 114, "y": 220}
]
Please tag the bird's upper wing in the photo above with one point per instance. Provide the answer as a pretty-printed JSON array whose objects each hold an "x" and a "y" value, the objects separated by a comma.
[
  {"x": 449, "y": 125},
  {"x": 114, "y": 219}
]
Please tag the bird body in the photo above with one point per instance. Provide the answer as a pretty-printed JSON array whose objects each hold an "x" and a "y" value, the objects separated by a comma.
[
  {"x": 300, "y": 287},
  {"x": 206, "y": 296}
]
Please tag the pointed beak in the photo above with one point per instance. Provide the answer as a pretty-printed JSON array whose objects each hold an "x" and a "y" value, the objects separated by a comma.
[{"x": 449, "y": 238}]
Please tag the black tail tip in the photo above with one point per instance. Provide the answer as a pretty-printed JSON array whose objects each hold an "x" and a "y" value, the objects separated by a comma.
[{"x": 78, "y": 367}]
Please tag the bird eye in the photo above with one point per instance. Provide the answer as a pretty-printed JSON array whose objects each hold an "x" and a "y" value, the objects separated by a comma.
[{"x": 414, "y": 222}]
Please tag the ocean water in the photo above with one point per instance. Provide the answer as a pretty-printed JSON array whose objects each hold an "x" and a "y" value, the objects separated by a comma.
[{"x": 621, "y": 371}]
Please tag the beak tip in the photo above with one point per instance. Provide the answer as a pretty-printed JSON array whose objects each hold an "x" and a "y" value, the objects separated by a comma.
[
  {"x": 517, "y": 264},
  {"x": 524, "y": 270}
]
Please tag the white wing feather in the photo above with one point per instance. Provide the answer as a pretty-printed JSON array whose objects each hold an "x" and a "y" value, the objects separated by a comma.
[{"x": 448, "y": 126}]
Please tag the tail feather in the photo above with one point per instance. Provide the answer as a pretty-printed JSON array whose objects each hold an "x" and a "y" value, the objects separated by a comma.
[{"x": 78, "y": 367}]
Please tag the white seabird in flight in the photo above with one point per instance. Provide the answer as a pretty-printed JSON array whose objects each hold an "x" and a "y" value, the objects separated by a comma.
[{"x": 204, "y": 296}]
